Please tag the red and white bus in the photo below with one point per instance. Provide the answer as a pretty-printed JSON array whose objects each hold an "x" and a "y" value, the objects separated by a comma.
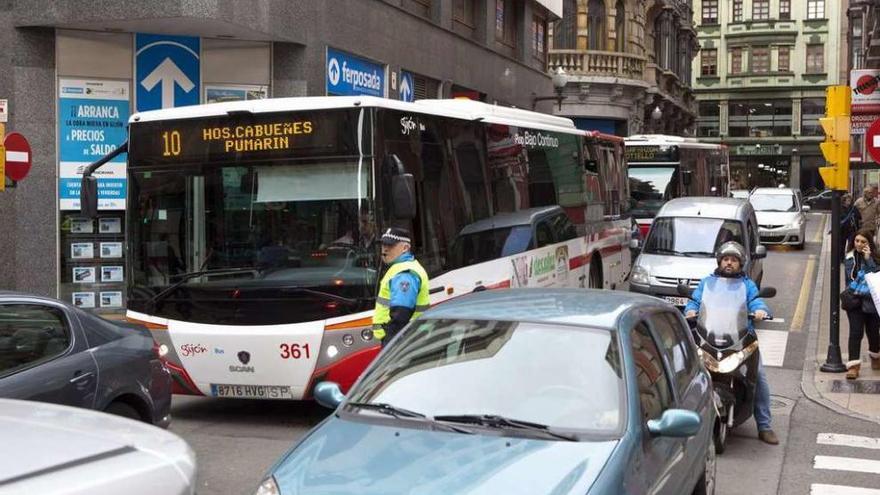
[
  {"x": 666, "y": 167},
  {"x": 252, "y": 225}
]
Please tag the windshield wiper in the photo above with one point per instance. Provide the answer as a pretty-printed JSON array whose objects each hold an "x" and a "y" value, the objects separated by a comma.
[
  {"x": 185, "y": 277},
  {"x": 495, "y": 421},
  {"x": 698, "y": 254},
  {"x": 385, "y": 408},
  {"x": 316, "y": 292},
  {"x": 664, "y": 251}
]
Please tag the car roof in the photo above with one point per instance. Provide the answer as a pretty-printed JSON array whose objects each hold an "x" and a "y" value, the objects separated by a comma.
[
  {"x": 709, "y": 207},
  {"x": 585, "y": 307},
  {"x": 774, "y": 191},
  {"x": 40, "y": 438},
  {"x": 6, "y": 294},
  {"x": 510, "y": 219}
]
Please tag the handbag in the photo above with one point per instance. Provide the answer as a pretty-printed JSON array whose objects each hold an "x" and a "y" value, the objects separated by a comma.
[{"x": 849, "y": 300}]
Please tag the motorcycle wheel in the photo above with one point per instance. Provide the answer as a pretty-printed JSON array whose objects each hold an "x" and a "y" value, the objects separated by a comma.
[{"x": 719, "y": 435}]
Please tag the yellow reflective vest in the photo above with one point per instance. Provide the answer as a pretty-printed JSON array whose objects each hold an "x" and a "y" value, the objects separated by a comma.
[{"x": 382, "y": 312}]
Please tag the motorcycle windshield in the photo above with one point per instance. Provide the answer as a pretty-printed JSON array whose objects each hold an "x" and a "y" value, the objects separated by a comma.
[{"x": 723, "y": 317}]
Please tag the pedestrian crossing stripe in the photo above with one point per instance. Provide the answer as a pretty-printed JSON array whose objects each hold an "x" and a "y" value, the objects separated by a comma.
[
  {"x": 846, "y": 464},
  {"x": 820, "y": 489},
  {"x": 848, "y": 441}
]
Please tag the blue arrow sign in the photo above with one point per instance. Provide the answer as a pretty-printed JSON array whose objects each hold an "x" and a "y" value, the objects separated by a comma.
[
  {"x": 407, "y": 87},
  {"x": 167, "y": 71}
]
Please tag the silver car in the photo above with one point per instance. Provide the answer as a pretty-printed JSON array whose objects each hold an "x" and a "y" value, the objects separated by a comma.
[
  {"x": 53, "y": 449},
  {"x": 781, "y": 216},
  {"x": 680, "y": 248}
]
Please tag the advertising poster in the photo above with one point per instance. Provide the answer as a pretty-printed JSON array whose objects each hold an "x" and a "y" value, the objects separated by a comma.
[
  {"x": 81, "y": 226},
  {"x": 111, "y": 274},
  {"x": 83, "y": 299},
  {"x": 110, "y": 225},
  {"x": 220, "y": 94},
  {"x": 82, "y": 250},
  {"x": 111, "y": 299},
  {"x": 84, "y": 275},
  {"x": 92, "y": 120},
  {"x": 111, "y": 250}
]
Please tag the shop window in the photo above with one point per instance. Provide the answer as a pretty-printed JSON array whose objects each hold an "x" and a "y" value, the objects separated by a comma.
[
  {"x": 811, "y": 110},
  {"x": 815, "y": 59},
  {"x": 815, "y": 9},
  {"x": 708, "y": 119},
  {"x": 760, "y": 10},
  {"x": 708, "y": 62},
  {"x": 710, "y": 11},
  {"x": 759, "y": 118}
]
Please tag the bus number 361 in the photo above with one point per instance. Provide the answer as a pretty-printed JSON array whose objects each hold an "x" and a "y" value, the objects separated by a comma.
[{"x": 295, "y": 351}]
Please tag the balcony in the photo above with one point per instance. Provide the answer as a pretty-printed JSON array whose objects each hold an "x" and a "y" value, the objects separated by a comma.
[{"x": 597, "y": 63}]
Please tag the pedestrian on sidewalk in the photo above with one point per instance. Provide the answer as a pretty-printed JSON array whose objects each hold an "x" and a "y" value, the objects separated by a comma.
[
  {"x": 867, "y": 206},
  {"x": 861, "y": 259},
  {"x": 849, "y": 224}
]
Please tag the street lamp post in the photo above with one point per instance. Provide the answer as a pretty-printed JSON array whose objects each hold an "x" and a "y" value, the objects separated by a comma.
[{"x": 559, "y": 79}]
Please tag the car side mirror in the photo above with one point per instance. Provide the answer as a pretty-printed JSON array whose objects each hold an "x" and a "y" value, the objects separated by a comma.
[
  {"x": 684, "y": 290},
  {"x": 767, "y": 292},
  {"x": 675, "y": 423},
  {"x": 329, "y": 395},
  {"x": 686, "y": 177},
  {"x": 760, "y": 252},
  {"x": 88, "y": 196},
  {"x": 635, "y": 244}
]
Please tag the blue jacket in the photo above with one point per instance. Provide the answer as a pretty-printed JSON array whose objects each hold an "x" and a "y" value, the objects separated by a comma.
[
  {"x": 857, "y": 283},
  {"x": 754, "y": 302},
  {"x": 405, "y": 285}
]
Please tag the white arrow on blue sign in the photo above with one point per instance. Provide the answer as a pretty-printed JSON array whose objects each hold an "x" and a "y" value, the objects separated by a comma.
[
  {"x": 167, "y": 70},
  {"x": 407, "y": 86}
]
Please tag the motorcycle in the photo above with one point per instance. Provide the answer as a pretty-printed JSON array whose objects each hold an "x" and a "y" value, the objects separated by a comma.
[{"x": 728, "y": 349}]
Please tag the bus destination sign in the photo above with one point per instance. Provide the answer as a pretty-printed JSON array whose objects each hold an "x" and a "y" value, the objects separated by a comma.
[
  {"x": 243, "y": 137},
  {"x": 649, "y": 153}
]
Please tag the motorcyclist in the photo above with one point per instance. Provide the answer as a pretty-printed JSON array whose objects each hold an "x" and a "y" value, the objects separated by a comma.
[{"x": 730, "y": 257}]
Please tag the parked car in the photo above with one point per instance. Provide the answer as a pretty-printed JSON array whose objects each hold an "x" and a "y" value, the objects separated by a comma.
[
  {"x": 522, "y": 391},
  {"x": 680, "y": 249},
  {"x": 51, "y": 351},
  {"x": 739, "y": 193},
  {"x": 52, "y": 449},
  {"x": 781, "y": 216},
  {"x": 819, "y": 201}
]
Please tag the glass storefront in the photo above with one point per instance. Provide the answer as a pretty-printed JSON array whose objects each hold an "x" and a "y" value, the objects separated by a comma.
[{"x": 747, "y": 172}]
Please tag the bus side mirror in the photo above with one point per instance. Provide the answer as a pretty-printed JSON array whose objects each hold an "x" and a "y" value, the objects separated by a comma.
[
  {"x": 88, "y": 196},
  {"x": 686, "y": 177},
  {"x": 403, "y": 196}
]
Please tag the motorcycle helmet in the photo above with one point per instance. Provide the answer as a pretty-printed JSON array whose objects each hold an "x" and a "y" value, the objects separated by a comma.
[{"x": 731, "y": 248}]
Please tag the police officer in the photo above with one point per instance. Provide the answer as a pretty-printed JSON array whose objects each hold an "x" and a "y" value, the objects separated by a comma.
[{"x": 403, "y": 292}]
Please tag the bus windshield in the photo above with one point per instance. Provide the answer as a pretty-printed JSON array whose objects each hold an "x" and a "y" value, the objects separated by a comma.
[
  {"x": 255, "y": 243},
  {"x": 651, "y": 187}
]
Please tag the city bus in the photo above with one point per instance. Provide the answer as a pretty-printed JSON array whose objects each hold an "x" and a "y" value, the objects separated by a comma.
[
  {"x": 666, "y": 167},
  {"x": 252, "y": 226}
]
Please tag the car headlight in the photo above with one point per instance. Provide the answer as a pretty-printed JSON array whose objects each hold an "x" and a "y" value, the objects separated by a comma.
[
  {"x": 268, "y": 487},
  {"x": 640, "y": 276},
  {"x": 796, "y": 223}
]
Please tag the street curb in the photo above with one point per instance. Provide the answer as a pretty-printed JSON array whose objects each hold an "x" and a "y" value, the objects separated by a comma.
[{"x": 811, "y": 365}]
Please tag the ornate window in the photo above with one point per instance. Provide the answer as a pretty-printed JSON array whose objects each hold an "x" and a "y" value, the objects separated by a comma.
[
  {"x": 710, "y": 11},
  {"x": 815, "y": 59},
  {"x": 596, "y": 24},
  {"x": 760, "y": 9},
  {"x": 736, "y": 60},
  {"x": 737, "y": 10},
  {"x": 708, "y": 62},
  {"x": 760, "y": 59},
  {"x": 565, "y": 30},
  {"x": 784, "y": 60},
  {"x": 620, "y": 25},
  {"x": 815, "y": 9},
  {"x": 785, "y": 9}
]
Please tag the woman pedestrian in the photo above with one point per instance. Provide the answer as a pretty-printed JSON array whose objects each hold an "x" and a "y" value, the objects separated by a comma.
[
  {"x": 849, "y": 224},
  {"x": 862, "y": 259}
]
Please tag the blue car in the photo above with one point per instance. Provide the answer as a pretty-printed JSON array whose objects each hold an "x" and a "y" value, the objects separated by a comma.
[{"x": 527, "y": 391}]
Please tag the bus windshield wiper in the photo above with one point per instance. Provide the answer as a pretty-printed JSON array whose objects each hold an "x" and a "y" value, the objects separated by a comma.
[
  {"x": 185, "y": 277},
  {"x": 495, "y": 421},
  {"x": 385, "y": 408},
  {"x": 316, "y": 292}
]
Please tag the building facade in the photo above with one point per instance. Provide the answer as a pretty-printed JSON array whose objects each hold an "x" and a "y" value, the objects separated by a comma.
[
  {"x": 760, "y": 82},
  {"x": 74, "y": 70},
  {"x": 628, "y": 65}
]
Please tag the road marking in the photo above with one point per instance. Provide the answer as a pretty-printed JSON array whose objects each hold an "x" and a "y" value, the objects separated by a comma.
[
  {"x": 774, "y": 320},
  {"x": 800, "y": 312},
  {"x": 772, "y": 344},
  {"x": 819, "y": 489},
  {"x": 848, "y": 441},
  {"x": 821, "y": 231},
  {"x": 846, "y": 464}
]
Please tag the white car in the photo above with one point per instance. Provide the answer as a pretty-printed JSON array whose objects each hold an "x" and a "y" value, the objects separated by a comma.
[
  {"x": 781, "y": 216},
  {"x": 61, "y": 450}
]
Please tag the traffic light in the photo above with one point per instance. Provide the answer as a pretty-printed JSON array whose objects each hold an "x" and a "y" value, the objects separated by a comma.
[{"x": 836, "y": 124}]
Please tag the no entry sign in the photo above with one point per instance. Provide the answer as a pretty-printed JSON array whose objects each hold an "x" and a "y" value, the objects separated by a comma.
[{"x": 18, "y": 156}]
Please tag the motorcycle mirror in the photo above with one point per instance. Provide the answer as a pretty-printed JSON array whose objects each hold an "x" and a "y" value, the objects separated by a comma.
[
  {"x": 684, "y": 290},
  {"x": 767, "y": 292}
]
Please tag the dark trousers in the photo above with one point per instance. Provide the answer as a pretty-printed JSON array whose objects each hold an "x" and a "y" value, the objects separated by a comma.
[{"x": 861, "y": 323}]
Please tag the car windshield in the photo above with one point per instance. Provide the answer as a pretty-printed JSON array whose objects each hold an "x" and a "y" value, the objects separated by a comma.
[
  {"x": 773, "y": 202},
  {"x": 443, "y": 367},
  {"x": 690, "y": 236},
  {"x": 477, "y": 247},
  {"x": 650, "y": 187}
]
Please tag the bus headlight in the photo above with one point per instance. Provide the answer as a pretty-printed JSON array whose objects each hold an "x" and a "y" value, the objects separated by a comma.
[
  {"x": 332, "y": 351},
  {"x": 640, "y": 276},
  {"x": 347, "y": 340},
  {"x": 367, "y": 334}
]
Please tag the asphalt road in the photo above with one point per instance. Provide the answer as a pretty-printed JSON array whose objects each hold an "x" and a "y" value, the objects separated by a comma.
[{"x": 237, "y": 441}]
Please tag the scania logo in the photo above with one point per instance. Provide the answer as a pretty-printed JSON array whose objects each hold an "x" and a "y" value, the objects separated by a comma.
[
  {"x": 192, "y": 349},
  {"x": 244, "y": 357}
]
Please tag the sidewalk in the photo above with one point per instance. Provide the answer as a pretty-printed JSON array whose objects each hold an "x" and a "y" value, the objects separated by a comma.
[{"x": 857, "y": 398}]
